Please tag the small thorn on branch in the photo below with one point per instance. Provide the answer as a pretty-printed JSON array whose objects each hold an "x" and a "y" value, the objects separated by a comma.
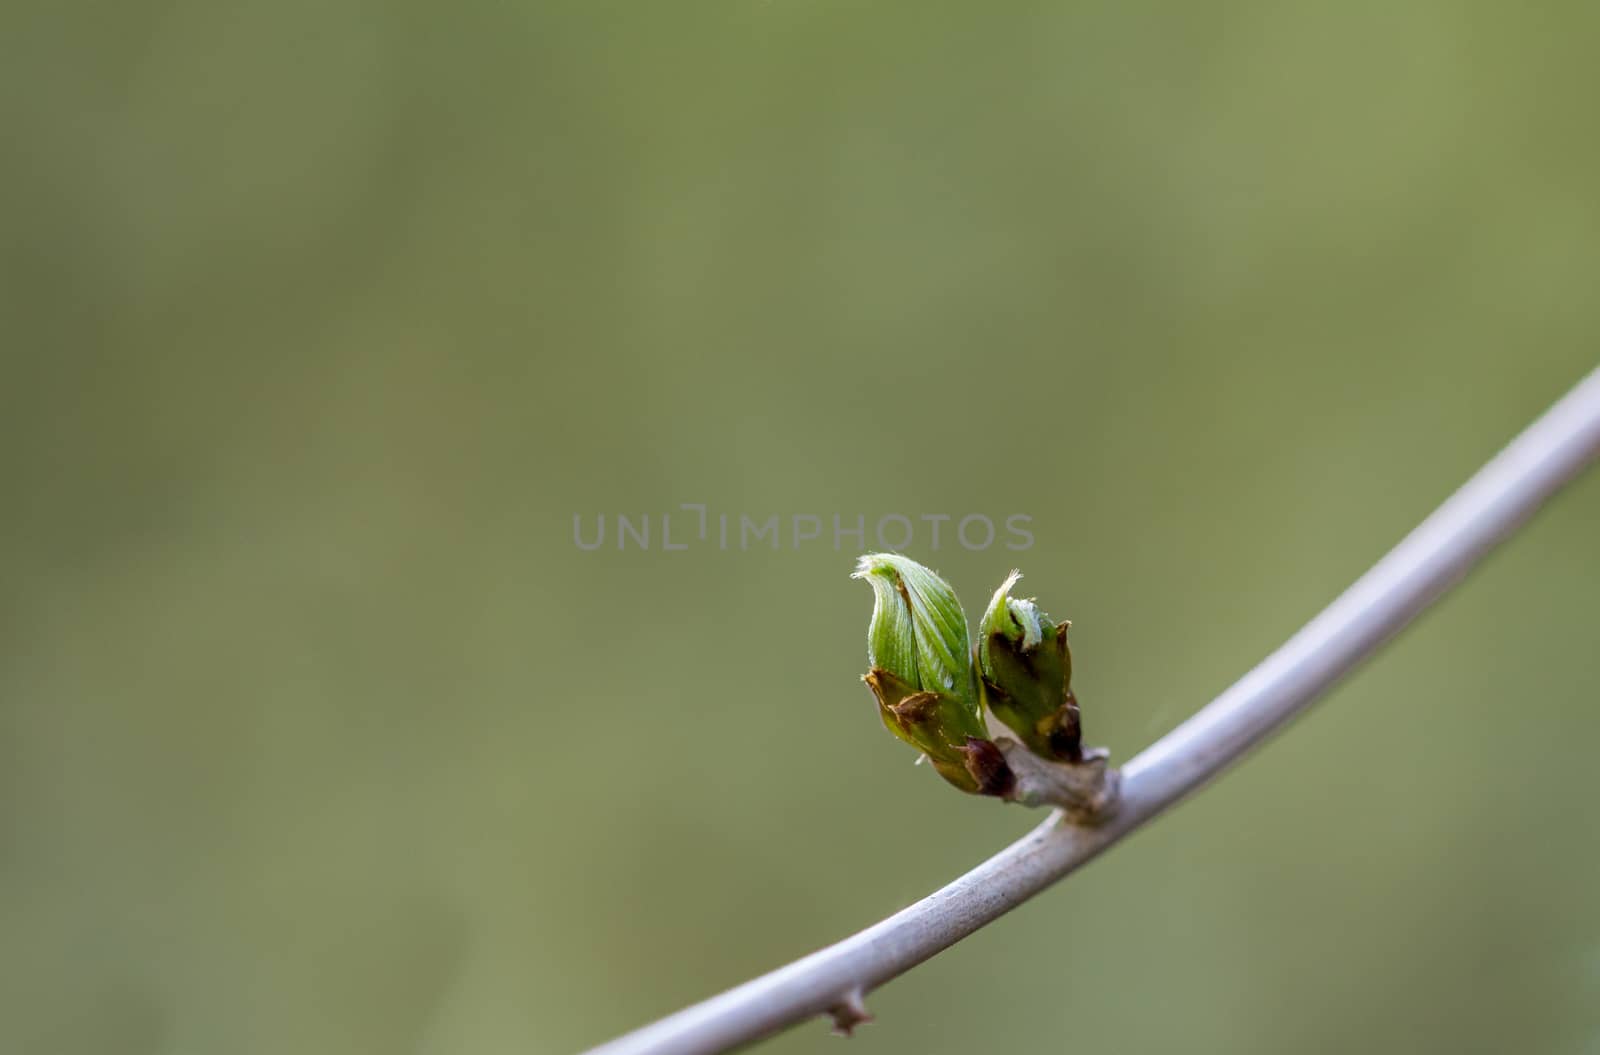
[{"x": 849, "y": 1013}]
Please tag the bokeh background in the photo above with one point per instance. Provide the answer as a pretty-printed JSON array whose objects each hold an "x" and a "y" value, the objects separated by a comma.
[{"x": 322, "y": 321}]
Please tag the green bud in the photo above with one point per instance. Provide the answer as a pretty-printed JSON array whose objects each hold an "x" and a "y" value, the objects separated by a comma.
[
  {"x": 1025, "y": 668},
  {"x": 918, "y": 630},
  {"x": 922, "y": 673}
]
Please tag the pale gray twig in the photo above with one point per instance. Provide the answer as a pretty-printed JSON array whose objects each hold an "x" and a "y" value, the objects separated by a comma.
[{"x": 1487, "y": 509}]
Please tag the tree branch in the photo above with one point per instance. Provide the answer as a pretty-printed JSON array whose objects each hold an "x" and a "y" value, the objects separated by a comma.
[{"x": 1487, "y": 509}]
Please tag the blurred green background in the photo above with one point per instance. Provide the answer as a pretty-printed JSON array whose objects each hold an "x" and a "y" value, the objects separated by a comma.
[{"x": 318, "y": 733}]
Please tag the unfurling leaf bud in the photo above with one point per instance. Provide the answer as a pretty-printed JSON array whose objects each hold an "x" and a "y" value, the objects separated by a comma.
[
  {"x": 922, "y": 673},
  {"x": 918, "y": 630},
  {"x": 1025, "y": 668}
]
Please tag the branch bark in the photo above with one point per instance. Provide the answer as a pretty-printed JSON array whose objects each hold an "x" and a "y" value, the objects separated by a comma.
[{"x": 1426, "y": 563}]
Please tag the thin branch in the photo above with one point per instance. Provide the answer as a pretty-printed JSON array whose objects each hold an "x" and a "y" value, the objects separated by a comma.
[{"x": 1425, "y": 564}]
